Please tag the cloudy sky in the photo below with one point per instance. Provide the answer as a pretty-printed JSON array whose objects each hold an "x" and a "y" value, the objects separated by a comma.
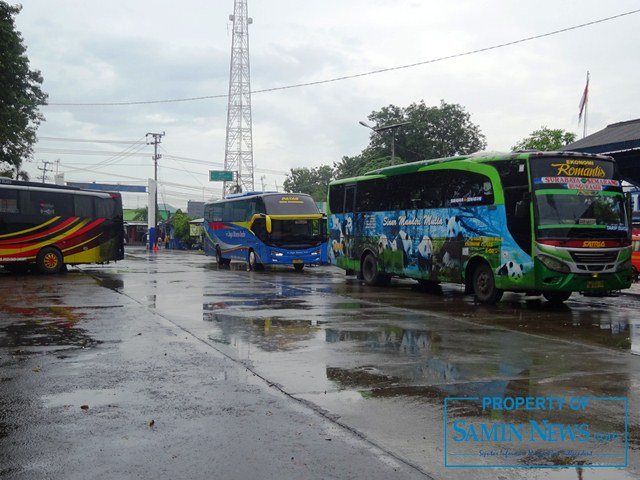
[{"x": 124, "y": 51}]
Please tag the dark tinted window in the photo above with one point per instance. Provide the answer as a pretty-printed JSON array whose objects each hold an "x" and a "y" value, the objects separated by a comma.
[
  {"x": 425, "y": 190},
  {"x": 371, "y": 195},
  {"x": 465, "y": 189},
  {"x": 218, "y": 213},
  {"x": 105, "y": 207},
  {"x": 83, "y": 206},
  {"x": 208, "y": 212},
  {"x": 9, "y": 201},
  {"x": 50, "y": 204},
  {"x": 213, "y": 212},
  {"x": 336, "y": 198}
]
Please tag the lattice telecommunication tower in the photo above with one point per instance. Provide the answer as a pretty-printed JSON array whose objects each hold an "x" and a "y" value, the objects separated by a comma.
[{"x": 238, "y": 155}]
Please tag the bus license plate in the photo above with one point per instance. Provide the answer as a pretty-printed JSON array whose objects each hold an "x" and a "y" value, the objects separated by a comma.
[
  {"x": 595, "y": 284},
  {"x": 297, "y": 261}
]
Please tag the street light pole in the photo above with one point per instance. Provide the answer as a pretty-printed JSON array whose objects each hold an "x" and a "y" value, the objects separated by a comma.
[
  {"x": 156, "y": 140},
  {"x": 393, "y": 129}
]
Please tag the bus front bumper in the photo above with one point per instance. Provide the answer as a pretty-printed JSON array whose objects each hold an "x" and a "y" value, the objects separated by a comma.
[
  {"x": 293, "y": 257},
  {"x": 587, "y": 283}
]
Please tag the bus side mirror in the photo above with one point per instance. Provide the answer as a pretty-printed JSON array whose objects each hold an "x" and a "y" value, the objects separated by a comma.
[{"x": 268, "y": 223}]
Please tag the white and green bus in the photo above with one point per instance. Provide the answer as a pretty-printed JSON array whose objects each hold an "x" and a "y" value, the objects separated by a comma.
[{"x": 548, "y": 223}]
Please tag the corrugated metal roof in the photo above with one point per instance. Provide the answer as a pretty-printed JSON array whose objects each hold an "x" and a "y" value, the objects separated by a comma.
[{"x": 614, "y": 138}]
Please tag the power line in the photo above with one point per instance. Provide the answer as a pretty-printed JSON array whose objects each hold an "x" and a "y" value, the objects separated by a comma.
[
  {"x": 127, "y": 154},
  {"x": 357, "y": 75},
  {"x": 87, "y": 140}
]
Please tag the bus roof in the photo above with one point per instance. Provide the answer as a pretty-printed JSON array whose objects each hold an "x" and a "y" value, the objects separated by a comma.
[
  {"x": 236, "y": 196},
  {"x": 478, "y": 157},
  {"x": 51, "y": 187}
]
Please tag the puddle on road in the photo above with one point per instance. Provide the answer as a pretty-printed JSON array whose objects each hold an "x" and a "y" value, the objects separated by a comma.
[{"x": 55, "y": 326}]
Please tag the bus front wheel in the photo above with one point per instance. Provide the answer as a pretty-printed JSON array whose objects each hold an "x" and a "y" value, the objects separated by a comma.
[
  {"x": 298, "y": 266},
  {"x": 49, "y": 260},
  {"x": 484, "y": 285},
  {"x": 253, "y": 261}
]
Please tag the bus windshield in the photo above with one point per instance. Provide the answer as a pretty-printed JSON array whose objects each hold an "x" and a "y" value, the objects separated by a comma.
[
  {"x": 555, "y": 209},
  {"x": 578, "y": 198},
  {"x": 295, "y": 233}
]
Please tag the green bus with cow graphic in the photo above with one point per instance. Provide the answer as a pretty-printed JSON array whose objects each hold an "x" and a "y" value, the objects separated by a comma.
[{"x": 549, "y": 223}]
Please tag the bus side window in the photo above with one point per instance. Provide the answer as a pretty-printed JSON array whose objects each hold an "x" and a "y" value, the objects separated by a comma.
[
  {"x": 217, "y": 214},
  {"x": 432, "y": 189},
  {"x": 105, "y": 207},
  {"x": 370, "y": 196},
  {"x": 350, "y": 198},
  {"x": 8, "y": 201},
  {"x": 398, "y": 196},
  {"x": 259, "y": 228},
  {"x": 83, "y": 206},
  {"x": 336, "y": 198},
  {"x": 468, "y": 189},
  {"x": 50, "y": 204}
]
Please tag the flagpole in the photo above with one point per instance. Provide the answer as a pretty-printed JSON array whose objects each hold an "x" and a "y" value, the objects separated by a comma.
[
  {"x": 584, "y": 102},
  {"x": 586, "y": 111}
]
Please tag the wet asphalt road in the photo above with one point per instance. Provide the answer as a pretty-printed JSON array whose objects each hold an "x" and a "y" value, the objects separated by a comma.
[{"x": 163, "y": 366}]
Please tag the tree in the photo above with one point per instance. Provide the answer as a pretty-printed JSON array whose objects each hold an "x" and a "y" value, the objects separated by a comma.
[
  {"x": 180, "y": 226},
  {"x": 20, "y": 96},
  {"x": 432, "y": 132},
  {"x": 314, "y": 181},
  {"x": 546, "y": 140},
  {"x": 141, "y": 214},
  {"x": 361, "y": 164}
]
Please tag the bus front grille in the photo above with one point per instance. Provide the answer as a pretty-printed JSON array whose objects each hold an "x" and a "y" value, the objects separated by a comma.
[{"x": 594, "y": 256}]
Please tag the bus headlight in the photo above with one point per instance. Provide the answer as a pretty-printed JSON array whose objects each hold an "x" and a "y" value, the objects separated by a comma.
[
  {"x": 554, "y": 264},
  {"x": 315, "y": 253},
  {"x": 276, "y": 254}
]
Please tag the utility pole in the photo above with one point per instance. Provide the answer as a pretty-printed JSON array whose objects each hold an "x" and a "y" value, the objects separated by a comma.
[
  {"x": 155, "y": 142},
  {"x": 44, "y": 169},
  {"x": 238, "y": 154}
]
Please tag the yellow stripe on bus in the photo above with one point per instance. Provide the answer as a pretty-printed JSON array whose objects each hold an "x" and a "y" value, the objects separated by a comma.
[
  {"x": 80, "y": 244},
  {"x": 39, "y": 245},
  {"x": 37, "y": 227}
]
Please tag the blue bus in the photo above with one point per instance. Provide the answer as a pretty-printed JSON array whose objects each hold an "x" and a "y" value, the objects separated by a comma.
[{"x": 266, "y": 228}]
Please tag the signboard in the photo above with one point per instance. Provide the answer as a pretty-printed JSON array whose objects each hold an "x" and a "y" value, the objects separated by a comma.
[
  {"x": 109, "y": 187},
  {"x": 220, "y": 176}
]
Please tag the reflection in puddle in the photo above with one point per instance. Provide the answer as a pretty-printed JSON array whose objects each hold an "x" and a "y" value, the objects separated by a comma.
[
  {"x": 268, "y": 334},
  {"x": 53, "y": 326}
]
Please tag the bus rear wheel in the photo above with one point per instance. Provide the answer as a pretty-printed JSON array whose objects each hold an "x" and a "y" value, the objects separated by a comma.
[
  {"x": 370, "y": 273},
  {"x": 484, "y": 285},
  {"x": 49, "y": 260},
  {"x": 556, "y": 297}
]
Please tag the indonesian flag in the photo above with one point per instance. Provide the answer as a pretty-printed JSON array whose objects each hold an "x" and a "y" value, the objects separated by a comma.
[{"x": 583, "y": 100}]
